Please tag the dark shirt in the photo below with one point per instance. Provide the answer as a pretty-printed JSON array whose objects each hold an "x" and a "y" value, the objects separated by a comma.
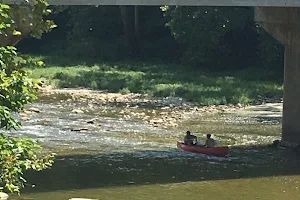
[{"x": 190, "y": 139}]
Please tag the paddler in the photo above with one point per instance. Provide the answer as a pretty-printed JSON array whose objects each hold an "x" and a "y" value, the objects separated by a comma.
[
  {"x": 190, "y": 139},
  {"x": 209, "y": 141}
]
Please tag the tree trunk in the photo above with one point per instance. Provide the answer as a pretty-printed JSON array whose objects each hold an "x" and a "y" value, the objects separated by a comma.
[
  {"x": 129, "y": 29},
  {"x": 136, "y": 22}
]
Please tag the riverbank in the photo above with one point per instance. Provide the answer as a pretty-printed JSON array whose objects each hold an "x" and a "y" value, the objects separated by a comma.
[{"x": 247, "y": 86}]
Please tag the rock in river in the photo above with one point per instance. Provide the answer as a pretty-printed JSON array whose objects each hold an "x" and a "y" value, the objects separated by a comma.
[
  {"x": 3, "y": 196},
  {"x": 77, "y": 111},
  {"x": 36, "y": 110},
  {"x": 80, "y": 129}
]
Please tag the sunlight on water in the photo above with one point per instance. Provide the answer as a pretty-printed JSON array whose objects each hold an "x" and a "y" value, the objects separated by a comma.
[
  {"x": 115, "y": 158},
  {"x": 53, "y": 128}
]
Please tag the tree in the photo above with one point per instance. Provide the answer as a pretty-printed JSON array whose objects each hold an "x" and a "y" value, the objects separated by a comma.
[
  {"x": 18, "y": 154},
  {"x": 97, "y": 32},
  {"x": 24, "y": 20},
  {"x": 203, "y": 30},
  {"x": 130, "y": 20},
  {"x": 105, "y": 23}
]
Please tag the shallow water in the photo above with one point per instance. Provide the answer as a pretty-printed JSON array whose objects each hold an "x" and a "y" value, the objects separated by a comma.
[{"x": 118, "y": 158}]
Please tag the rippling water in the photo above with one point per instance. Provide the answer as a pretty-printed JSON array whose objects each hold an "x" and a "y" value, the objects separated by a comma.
[{"x": 118, "y": 158}]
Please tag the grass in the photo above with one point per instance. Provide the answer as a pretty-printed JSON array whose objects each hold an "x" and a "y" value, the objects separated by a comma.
[{"x": 158, "y": 80}]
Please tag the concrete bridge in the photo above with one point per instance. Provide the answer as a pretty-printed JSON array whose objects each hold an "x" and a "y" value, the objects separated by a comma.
[
  {"x": 269, "y": 3},
  {"x": 281, "y": 18}
]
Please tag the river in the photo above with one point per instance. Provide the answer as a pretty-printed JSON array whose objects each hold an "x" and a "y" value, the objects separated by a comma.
[{"x": 102, "y": 155}]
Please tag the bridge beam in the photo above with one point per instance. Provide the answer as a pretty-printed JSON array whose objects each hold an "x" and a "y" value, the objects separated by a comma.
[
  {"x": 282, "y": 3},
  {"x": 284, "y": 25}
]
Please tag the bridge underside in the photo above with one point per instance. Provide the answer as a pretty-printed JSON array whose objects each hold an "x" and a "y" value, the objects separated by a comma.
[{"x": 269, "y": 3}]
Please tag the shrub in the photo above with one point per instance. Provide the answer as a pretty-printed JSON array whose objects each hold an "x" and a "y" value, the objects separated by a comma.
[
  {"x": 124, "y": 91},
  {"x": 16, "y": 156},
  {"x": 94, "y": 85}
]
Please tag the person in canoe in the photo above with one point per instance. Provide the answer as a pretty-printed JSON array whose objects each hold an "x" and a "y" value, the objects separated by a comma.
[
  {"x": 209, "y": 141},
  {"x": 190, "y": 139}
]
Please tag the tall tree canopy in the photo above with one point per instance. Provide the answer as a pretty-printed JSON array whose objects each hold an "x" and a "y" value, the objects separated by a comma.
[{"x": 213, "y": 35}]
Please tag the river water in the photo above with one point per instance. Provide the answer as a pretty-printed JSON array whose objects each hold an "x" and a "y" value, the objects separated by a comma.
[{"x": 114, "y": 158}]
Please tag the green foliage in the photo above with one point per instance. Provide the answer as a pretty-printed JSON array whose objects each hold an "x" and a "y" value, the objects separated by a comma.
[
  {"x": 98, "y": 32},
  {"x": 164, "y": 80},
  {"x": 205, "y": 32},
  {"x": 124, "y": 91},
  {"x": 16, "y": 89},
  {"x": 5, "y": 21},
  {"x": 214, "y": 38},
  {"x": 28, "y": 18},
  {"x": 39, "y": 9},
  {"x": 94, "y": 85},
  {"x": 165, "y": 90},
  {"x": 16, "y": 156},
  {"x": 94, "y": 22}
]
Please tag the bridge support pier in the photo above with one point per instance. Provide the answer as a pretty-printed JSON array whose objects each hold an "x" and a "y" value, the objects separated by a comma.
[{"x": 283, "y": 23}]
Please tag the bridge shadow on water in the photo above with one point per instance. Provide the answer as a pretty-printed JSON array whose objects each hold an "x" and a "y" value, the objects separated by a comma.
[{"x": 162, "y": 167}]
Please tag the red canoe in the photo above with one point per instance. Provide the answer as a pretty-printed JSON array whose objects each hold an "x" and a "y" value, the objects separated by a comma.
[{"x": 216, "y": 151}]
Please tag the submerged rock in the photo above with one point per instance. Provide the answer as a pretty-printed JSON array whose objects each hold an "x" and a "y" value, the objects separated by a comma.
[
  {"x": 77, "y": 111},
  {"x": 92, "y": 121},
  {"x": 80, "y": 129}
]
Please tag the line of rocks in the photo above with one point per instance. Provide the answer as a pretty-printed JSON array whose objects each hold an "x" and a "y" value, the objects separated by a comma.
[{"x": 159, "y": 112}]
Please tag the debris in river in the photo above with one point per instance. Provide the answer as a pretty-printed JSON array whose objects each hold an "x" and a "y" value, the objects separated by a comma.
[
  {"x": 80, "y": 129},
  {"x": 36, "y": 110},
  {"x": 77, "y": 111}
]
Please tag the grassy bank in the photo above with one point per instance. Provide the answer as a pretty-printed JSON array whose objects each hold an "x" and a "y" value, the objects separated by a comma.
[{"x": 158, "y": 80}]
